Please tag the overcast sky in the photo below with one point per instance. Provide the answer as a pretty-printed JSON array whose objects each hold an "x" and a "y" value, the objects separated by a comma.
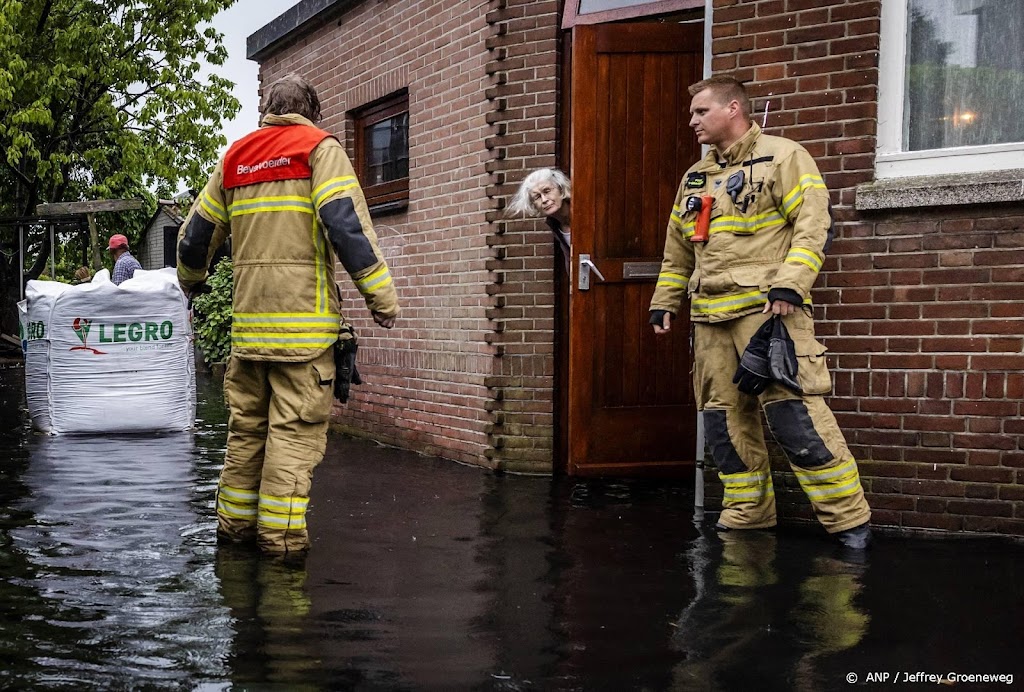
[{"x": 243, "y": 18}]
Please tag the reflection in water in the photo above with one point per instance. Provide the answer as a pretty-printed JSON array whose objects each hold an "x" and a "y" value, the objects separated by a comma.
[
  {"x": 427, "y": 575},
  {"x": 619, "y": 581},
  {"x": 114, "y": 532},
  {"x": 271, "y": 592},
  {"x": 759, "y": 613},
  {"x": 829, "y": 615},
  {"x": 106, "y": 545},
  {"x": 396, "y": 574}
]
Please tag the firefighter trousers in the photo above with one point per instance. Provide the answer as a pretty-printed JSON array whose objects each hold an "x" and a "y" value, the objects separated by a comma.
[
  {"x": 277, "y": 434},
  {"x": 802, "y": 424}
]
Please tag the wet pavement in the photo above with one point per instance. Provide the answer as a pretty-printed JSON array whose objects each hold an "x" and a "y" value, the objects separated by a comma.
[{"x": 427, "y": 575}]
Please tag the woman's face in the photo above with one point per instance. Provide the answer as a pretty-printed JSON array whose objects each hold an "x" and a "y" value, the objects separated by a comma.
[{"x": 546, "y": 197}]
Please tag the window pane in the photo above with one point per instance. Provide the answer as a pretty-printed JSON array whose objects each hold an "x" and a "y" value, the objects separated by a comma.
[
  {"x": 590, "y": 6},
  {"x": 965, "y": 73},
  {"x": 387, "y": 150}
]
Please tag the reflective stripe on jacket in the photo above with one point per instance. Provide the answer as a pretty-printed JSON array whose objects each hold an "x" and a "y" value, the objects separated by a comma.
[
  {"x": 267, "y": 193},
  {"x": 772, "y": 236}
]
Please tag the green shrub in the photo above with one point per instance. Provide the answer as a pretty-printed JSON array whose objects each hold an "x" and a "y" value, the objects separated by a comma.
[{"x": 211, "y": 320}]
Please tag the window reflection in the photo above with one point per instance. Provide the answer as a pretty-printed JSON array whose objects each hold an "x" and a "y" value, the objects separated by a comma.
[
  {"x": 591, "y": 6},
  {"x": 388, "y": 151},
  {"x": 965, "y": 73}
]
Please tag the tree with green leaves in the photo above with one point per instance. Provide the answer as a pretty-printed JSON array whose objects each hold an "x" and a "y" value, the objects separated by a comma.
[
  {"x": 103, "y": 99},
  {"x": 213, "y": 314}
]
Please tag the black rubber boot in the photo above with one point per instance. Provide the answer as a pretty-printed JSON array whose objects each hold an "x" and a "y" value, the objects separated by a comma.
[{"x": 857, "y": 538}]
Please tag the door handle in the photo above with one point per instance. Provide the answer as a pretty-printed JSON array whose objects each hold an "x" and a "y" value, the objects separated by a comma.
[{"x": 586, "y": 265}]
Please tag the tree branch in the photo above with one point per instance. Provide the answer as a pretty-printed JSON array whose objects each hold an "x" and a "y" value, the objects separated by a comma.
[{"x": 44, "y": 15}]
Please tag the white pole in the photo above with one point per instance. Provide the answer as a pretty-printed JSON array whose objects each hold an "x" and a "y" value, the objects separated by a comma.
[
  {"x": 21, "y": 263},
  {"x": 698, "y": 480}
]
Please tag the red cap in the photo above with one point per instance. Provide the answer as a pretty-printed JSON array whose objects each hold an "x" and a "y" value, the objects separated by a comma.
[{"x": 117, "y": 241}]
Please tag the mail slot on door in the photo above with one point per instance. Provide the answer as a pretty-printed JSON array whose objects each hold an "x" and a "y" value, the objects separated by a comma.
[{"x": 640, "y": 270}]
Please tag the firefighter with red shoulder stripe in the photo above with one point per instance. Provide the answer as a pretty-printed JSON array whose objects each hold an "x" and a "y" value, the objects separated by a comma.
[
  {"x": 747, "y": 264},
  {"x": 288, "y": 197}
]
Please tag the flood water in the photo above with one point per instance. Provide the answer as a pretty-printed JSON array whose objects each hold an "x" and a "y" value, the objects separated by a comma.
[{"x": 427, "y": 575}]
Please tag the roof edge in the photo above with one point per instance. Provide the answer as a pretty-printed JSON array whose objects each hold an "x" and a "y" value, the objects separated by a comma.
[{"x": 302, "y": 18}]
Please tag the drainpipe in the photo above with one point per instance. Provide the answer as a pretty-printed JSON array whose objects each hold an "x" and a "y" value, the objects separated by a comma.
[
  {"x": 708, "y": 21},
  {"x": 698, "y": 481}
]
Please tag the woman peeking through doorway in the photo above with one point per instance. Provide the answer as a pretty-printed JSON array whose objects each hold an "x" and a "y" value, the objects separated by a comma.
[{"x": 546, "y": 192}]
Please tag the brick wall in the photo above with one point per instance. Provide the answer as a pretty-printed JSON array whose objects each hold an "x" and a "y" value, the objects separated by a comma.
[
  {"x": 466, "y": 373},
  {"x": 921, "y": 310},
  {"x": 523, "y": 68}
]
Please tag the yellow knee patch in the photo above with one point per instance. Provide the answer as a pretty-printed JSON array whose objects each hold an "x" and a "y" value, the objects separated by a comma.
[
  {"x": 836, "y": 481},
  {"x": 283, "y": 513},
  {"x": 237, "y": 503},
  {"x": 746, "y": 487}
]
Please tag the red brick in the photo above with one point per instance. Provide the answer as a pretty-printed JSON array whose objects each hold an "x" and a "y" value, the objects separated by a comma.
[
  {"x": 986, "y": 474},
  {"x": 980, "y": 508},
  {"x": 945, "y": 522},
  {"x": 929, "y": 505},
  {"x": 802, "y": 5},
  {"x": 981, "y": 491},
  {"x": 981, "y": 524},
  {"x": 885, "y": 517},
  {"x": 934, "y": 423},
  {"x": 935, "y": 456},
  {"x": 1013, "y": 493},
  {"x": 734, "y": 45},
  {"x": 822, "y": 32},
  {"x": 734, "y": 13},
  {"x": 1000, "y": 362},
  {"x": 986, "y": 443},
  {"x": 856, "y": 10},
  {"x": 986, "y": 458},
  {"x": 772, "y": 23},
  {"x": 984, "y": 425},
  {"x": 809, "y": 51},
  {"x": 866, "y": 26},
  {"x": 859, "y": 128},
  {"x": 816, "y": 66}
]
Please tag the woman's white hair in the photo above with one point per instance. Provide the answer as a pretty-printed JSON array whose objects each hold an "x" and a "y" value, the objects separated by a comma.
[{"x": 522, "y": 205}]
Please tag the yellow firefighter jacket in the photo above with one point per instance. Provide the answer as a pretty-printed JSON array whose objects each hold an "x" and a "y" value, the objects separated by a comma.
[
  {"x": 271, "y": 192},
  {"x": 771, "y": 233}
]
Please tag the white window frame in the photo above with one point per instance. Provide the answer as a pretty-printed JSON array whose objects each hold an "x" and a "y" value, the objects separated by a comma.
[{"x": 890, "y": 159}]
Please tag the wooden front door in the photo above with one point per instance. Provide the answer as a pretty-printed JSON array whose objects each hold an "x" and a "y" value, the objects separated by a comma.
[{"x": 630, "y": 397}]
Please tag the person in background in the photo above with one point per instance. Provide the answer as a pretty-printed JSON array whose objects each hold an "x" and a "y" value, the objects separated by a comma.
[
  {"x": 749, "y": 278},
  {"x": 546, "y": 192},
  {"x": 289, "y": 198},
  {"x": 83, "y": 275},
  {"x": 124, "y": 264}
]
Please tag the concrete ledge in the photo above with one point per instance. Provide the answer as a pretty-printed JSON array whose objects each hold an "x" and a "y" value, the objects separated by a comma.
[{"x": 942, "y": 190}]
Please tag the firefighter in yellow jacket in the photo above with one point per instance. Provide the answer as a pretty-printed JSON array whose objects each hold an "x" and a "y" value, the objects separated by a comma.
[
  {"x": 289, "y": 198},
  {"x": 758, "y": 251}
]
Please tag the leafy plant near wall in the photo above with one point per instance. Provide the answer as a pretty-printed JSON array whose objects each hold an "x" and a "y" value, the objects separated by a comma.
[{"x": 212, "y": 318}]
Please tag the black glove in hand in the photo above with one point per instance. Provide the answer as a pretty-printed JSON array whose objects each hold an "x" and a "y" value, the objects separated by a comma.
[
  {"x": 754, "y": 373},
  {"x": 658, "y": 317},
  {"x": 346, "y": 373},
  {"x": 782, "y": 356}
]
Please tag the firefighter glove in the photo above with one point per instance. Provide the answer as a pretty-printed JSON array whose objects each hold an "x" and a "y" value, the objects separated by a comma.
[
  {"x": 754, "y": 373},
  {"x": 782, "y": 356},
  {"x": 658, "y": 317},
  {"x": 345, "y": 364}
]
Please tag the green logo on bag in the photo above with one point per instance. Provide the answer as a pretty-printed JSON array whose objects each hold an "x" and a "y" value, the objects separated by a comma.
[
  {"x": 120, "y": 332},
  {"x": 82, "y": 327},
  {"x": 124, "y": 332},
  {"x": 35, "y": 330}
]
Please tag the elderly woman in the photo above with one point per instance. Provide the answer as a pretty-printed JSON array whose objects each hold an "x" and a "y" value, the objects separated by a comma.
[{"x": 546, "y": 192}]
